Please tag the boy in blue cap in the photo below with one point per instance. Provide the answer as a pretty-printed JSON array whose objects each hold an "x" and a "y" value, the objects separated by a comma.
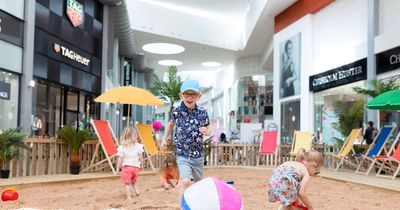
[{"x": 191, "y": 124}]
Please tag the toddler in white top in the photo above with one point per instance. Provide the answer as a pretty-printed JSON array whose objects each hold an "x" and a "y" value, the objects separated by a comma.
[{"x": 130, "y": 159}]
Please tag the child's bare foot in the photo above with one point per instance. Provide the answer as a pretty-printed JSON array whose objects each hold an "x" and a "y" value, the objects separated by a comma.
[{"x": 137, "y": 193}]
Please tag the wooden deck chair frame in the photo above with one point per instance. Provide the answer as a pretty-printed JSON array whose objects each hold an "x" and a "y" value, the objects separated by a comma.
[
  {"x": 386, "y": 162},
  {"x": 108, "y": 146},
  {"x": 145, "y": 133},
  {"x": 301, "y": 139},
  {"x": 340, "y": 158},
  {"x": 375, "y": 149},
  {"x": 268, "y": 146}
]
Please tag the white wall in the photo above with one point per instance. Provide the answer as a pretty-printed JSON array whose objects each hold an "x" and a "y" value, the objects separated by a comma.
[
  {"x": 339, "y": 34},
  {"x": 303, "y": 26},
  {"x": 389, "y": 31},
  {"x": 389, "y": 22}
]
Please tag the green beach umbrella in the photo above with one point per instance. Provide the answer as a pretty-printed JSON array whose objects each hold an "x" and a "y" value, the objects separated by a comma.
[{"x": 389, "y": 100}]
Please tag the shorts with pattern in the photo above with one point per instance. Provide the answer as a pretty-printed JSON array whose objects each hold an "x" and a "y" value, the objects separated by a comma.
[{"x": 284, "y": 185}]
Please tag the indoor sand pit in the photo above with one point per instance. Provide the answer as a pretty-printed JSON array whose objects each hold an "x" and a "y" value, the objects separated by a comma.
[{"x": 107, "y": 194}]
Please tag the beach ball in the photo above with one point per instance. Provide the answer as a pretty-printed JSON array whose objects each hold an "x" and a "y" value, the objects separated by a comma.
[
  {"x": 211, "y": 194},
  {"x": 9, "y": 195},
  {"x": 157, "y": 125}
]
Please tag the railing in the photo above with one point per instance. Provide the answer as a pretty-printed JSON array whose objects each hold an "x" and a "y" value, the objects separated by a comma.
[
  {"x": 51, "y": 156},
  {"x": 246, "y": 154},
  {"x": 46, "y": 156}
]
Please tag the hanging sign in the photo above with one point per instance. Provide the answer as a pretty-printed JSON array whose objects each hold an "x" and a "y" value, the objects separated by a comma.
[
  {"x": 75, "y": 12},
  {"x": 5, "y": 90}
]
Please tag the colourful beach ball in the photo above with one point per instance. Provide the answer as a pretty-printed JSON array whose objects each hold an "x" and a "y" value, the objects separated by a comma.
[
  {"x": 157, "y": 125},
  {"x": 211, "y": 194}
]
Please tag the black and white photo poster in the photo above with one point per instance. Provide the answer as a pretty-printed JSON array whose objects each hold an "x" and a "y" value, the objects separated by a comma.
[{"x": 289, "y": 52}]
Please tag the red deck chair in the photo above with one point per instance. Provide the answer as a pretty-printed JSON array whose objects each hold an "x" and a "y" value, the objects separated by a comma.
[
  {"x": 268, "y": 146},
  {"x": 390, "y": 163},
  {"x": 109, "y": 144}
]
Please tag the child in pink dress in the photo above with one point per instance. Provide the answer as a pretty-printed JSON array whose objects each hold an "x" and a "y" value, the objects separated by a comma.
[
  {"x": 289, "y": 180},
  {"x": 130, "y": 154}
]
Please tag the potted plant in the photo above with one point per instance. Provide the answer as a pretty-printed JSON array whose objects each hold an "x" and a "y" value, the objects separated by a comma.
[
  {"x": 10, "y": 141},
  {"x": 75, "y": 139},
  {"x": 168, "y": 90}
]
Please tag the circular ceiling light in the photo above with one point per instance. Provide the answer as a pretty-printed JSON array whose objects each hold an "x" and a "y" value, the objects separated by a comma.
[
  {"x": 170, "y": 62},
  {"x": 163, "y": 48},
  {"x": 211, "y": 64}
]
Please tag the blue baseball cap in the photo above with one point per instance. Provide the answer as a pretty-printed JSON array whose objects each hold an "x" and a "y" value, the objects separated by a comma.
[{"x": 190, "y": 85}]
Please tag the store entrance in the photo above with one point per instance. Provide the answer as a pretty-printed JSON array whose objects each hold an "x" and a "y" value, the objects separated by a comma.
[{"x": 55, "y": 106}]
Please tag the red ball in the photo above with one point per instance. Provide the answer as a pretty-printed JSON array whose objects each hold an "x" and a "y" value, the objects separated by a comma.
[
  {"x": 9, "y": 195},
  {"x": 157, "y": 125}
]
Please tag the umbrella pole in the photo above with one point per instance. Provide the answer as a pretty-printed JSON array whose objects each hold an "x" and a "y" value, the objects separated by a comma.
[{"x": 129, "y": 109}]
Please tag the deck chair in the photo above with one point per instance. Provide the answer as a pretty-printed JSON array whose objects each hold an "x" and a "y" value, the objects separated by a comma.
[
  {"x": 343, "y": 155},
  {"x": 302, "y": 139},
  {"x": 390, "y": 163},
  {"x": 109, "y": 145},
  {"x": 146, "y": 135},
  {"x": 268, "y": 146},
  {"x": 375, "y": 149}
]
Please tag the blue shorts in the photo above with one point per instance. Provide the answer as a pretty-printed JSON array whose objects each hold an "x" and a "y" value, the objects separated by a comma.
[{"x": 191, "y": 169}]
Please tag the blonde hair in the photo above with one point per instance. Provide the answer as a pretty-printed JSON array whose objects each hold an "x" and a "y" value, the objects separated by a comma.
[
  {"x": 310, "y": 156},
  {"x": 129, "y": 136}
]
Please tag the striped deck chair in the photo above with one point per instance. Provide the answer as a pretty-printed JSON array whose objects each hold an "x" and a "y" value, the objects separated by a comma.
[
  {"x": 302, "y": 139},
  {"x": 376, "y": 148},
  {"x": 268, "y": 146},
  {"x": 390, "y": 163},
  {"x": 109, "y": 144},
  {"x": 146, "y": 135},
  {"x": 343, "y": 155}
]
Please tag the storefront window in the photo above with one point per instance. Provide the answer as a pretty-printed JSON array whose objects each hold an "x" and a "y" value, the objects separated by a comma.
[
  {"x": 290, "y": 120},
  {"x": 326, "y": 114},
  {"x": 390, "y": 117},
  {"x": 254, "y": 98},
  {"x": 56, "y": 106},
  {"x": 9, "y": 89}
]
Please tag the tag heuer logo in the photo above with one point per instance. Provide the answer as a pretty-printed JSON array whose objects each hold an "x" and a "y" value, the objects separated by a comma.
[
  {"x": 56, "y": 47},
  {"x": 75, "y": 12}
]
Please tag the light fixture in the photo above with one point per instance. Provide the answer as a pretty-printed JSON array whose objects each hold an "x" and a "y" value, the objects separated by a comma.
[
  {"x": 211, "y": 64},
  {"x": 163, "y": 48},
  {"x": 170, "y": 62},
  {"x": 31, "y": 83}
]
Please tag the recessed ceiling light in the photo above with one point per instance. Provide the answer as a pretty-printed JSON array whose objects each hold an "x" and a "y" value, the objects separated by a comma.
[
  {"x": 163, "y": 48},
  {"x": 211, "y": 64},
  {"x": 170, "y": 62}
]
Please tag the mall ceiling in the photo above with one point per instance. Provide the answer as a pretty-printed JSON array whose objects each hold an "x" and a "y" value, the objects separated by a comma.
[{"x": 209, "y": 30}]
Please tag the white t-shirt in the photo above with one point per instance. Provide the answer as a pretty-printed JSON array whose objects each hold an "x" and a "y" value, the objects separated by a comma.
[{"x": 131, "y": 154}]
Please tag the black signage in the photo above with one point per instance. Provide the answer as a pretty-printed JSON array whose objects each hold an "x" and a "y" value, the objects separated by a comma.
[
  {"x": 349, "y": 73},
  {"x": 5, "y": 90},
  {"x": 128, "y": 73},
  {"x": 388, "y": 60},
  {"x": 11, "y": 28}
]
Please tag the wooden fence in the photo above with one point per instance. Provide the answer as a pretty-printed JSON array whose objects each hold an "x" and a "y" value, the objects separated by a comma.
[
  {"x": 51, "y": 156},
  {"x": 46, "y": 156}
]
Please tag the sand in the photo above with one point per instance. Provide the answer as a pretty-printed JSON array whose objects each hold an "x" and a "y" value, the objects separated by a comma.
[{"x": 109, "y": 194}]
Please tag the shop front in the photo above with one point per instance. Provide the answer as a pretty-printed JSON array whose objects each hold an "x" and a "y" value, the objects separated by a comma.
[
  {"x": 11, "y": 42},
  {"x": 67, "y": 65},
  {"x": 331, "y": 89},
  {"x": 388, "y": 68}
]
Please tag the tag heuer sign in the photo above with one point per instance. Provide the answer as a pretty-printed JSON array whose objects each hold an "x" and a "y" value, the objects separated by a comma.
[
  {"x": 71, "y": 54},
  {"x": 75, "y": 12}
]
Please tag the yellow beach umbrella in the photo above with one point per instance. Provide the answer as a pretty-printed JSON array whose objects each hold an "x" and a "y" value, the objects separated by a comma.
[{"x": 129, "y": 95}]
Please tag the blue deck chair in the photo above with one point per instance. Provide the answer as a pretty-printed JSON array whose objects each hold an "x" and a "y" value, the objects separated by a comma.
[{"x": 376, "y": 148}]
